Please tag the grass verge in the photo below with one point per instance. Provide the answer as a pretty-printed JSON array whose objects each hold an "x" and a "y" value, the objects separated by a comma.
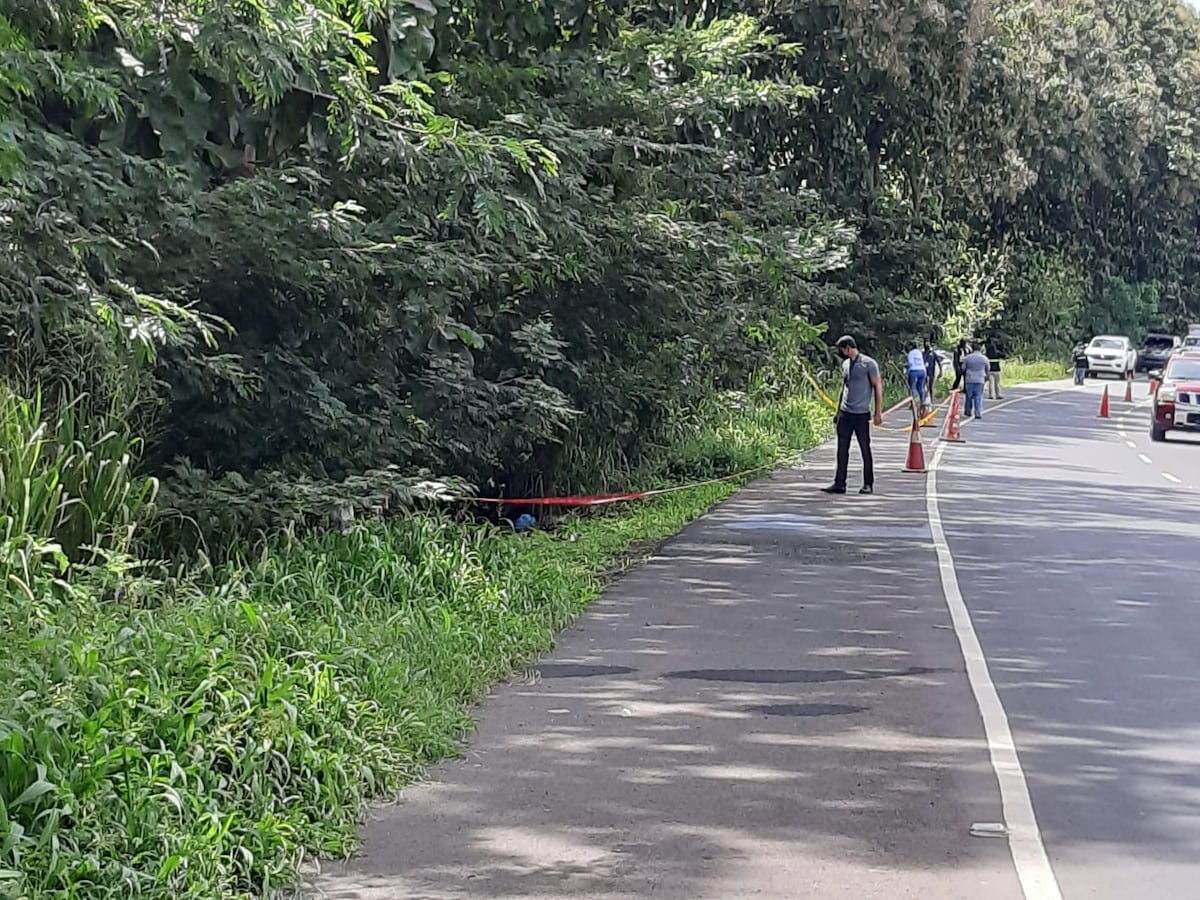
[
  {"x": 196, "y": 735},
  {"x": 1021, "y": 371},
  {"x": 1016, "y": 372}
]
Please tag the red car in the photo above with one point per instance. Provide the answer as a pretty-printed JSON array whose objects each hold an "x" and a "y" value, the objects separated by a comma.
[{"x": 1177, "y": 397}]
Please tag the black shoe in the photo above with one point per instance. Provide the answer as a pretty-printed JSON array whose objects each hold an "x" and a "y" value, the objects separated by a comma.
[
  {"x": 833, "y": 489},
  {"x": 867, "y": 489}
]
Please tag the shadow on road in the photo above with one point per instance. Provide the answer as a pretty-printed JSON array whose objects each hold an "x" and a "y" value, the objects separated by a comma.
[
  {"x": 777, "y": 709},
  {"x": 1082, "y": 583}
]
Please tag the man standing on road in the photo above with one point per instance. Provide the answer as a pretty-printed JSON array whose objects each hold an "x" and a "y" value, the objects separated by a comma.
[
  {"x": 860, "y": 382},
  {"x": 916, "y": 375},
  {"x": 994, "y": 356},
  {"x": 933, "y": 370},
  {"x": 975, "y": 373},
  {"x": 960, "y": 353},
  {"x": 1081, "y": 362}
]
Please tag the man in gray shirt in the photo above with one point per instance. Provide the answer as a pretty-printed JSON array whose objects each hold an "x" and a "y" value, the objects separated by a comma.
[
  {"x": 860, "y": 383},
  {"x": 975, "y": 375}
]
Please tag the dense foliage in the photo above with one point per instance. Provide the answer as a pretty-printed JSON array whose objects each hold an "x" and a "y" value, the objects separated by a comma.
[
  {"x": 520, "y": 242},
  {"x": 265, "y": 260}
]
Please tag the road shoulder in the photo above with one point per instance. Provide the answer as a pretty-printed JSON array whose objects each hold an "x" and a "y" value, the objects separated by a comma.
[{"x": 774, "y": 705}]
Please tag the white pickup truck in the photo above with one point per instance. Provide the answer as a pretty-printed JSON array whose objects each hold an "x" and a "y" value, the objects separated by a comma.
[{"x": 1192, "y": 340}]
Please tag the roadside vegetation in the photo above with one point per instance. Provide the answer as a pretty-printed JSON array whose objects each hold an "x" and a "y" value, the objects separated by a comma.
[
  {"x": 193, "y": 733},
  {"x": 1021, "y": 371},
  {"x": 285, "y": 283}
]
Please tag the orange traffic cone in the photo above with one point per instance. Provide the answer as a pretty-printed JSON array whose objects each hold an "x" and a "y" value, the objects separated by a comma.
[
  {"x": 916, "y": 453},
  {"x": 1128, "y": 391},
  {"x": 1104, "y": 404},
  {"x": 1153, "y": 386},
  {"x": 951, "y": 431}
]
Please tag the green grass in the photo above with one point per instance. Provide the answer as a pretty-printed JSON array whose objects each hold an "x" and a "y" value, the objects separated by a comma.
[
  {"x": 736, "y": 437},
  {"x": 1015, "y": 372},
  {"x": 196, "y": 734},
  {"x": 1020, "y": 371}
]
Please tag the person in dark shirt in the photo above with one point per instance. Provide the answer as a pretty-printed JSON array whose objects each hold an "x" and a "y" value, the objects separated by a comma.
[
  {"x": 933, "y": 369},
  {"x": 1081, "y": 362},
  {"x": 960, "y": 353}
]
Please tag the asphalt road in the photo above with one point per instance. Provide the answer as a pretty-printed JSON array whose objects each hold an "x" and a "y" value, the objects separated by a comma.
[
  {"x": 1076, "y": 542},
  {"x": 776, "y": 704}
]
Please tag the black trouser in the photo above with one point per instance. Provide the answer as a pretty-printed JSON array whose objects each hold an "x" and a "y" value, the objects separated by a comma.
[
  {"x": 859, "y": 425},
  {"x": 958, "y": 377}
]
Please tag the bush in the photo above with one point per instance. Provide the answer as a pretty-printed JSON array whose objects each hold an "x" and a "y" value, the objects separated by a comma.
[{"x": 191, "y": 735}]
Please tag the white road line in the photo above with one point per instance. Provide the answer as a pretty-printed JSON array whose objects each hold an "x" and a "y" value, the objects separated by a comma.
[
  {"x": 1144, "y": 458},
  {"x": 1130, "y": 444},
  {"x": 1171, "y": 478},
  {"x": 1024, "y": 838},
  {"x": 1040, "y": 395}
]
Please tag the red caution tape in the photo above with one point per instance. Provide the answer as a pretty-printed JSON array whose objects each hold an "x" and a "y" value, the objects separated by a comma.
[
  {"x": 592, "y": 500},
  {"x": 603, "y": 499}
]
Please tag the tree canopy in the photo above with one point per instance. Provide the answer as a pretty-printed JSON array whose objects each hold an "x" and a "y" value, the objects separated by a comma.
[
  {"x": 265, "y": 260},
  {"x": 517, "y": 242}
]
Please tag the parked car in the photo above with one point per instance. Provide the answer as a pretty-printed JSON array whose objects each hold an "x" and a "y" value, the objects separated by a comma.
[
  {"x": 1156, "y": 350},
  {"x": 1177, "y": 397},
  {"x": 1113, "y": 354}
]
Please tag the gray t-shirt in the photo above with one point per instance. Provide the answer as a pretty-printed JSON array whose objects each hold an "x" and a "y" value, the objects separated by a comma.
[
  {"x": 975, "y": 368},
  {"x": 856, "y": 390}
]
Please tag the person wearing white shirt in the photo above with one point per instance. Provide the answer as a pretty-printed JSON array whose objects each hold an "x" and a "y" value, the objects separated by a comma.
[{"x": 916, "y": 374}]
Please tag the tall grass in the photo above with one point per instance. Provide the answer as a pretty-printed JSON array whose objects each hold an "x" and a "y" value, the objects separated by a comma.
[
  {"x": 196, "y": 734},
  {"x": 1022, "y": 371},
  {"x": 200, "y": 745},
  {"x": 68, "y": 475}
]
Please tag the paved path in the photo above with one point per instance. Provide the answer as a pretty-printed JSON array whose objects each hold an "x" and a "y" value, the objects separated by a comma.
[
  {"x": 1077, "y": 543},
  {"x": 776, "y": 704}
]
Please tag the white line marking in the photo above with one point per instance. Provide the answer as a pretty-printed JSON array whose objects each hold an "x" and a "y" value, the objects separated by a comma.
[
  {"x": 1024, "y": 838},
  {"x": 1122, "y": 432},
  {"x": 1144, "y": 458},
  {"x": 1131, "y": 444},
  {"x": 1040, "y": 395},
  {"x": 1171, "y": 478}
]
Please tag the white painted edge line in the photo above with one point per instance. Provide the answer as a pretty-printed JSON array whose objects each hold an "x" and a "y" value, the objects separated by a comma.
[
  {"x": 1040, "y": 395},
  {"x": 1144, "y": 458},
  {"x": 1171, "y": 478},
  {"x": 1024, "y": 838}
]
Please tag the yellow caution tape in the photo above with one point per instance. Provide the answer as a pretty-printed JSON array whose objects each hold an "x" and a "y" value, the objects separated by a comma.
[
  {"x": 925, "y": 420},
  {"x": 820, "y": 393}
]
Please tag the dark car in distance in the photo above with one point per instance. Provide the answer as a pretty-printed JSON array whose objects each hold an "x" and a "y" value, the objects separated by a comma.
[{"x": 1156, "y": 350}]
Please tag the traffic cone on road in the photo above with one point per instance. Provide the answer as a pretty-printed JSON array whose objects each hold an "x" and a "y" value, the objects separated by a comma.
[
  {"x": 951, "y": 431},
  {"x": 1128, "y": 391},
  {"x": 1153, "y": 386},
  {"x": 1104, "y": 404},
  {"x": 916, "y": 452}
]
